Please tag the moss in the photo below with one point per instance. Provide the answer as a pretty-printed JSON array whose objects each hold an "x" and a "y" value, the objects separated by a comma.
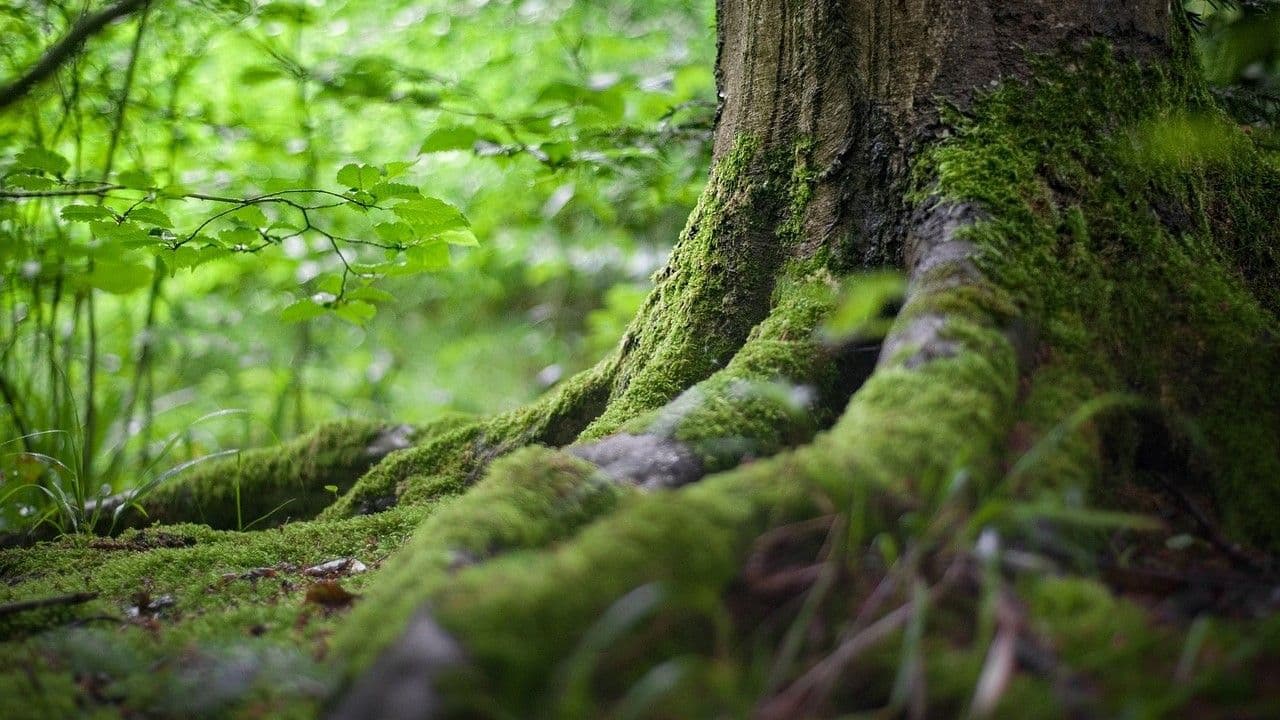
[
  {"x": 265, "y": 486},
  {"x": 713, "y": 291},
  {"x": 1109, "y": 243},
  {"x": 449, "y": 462},
  {"x": 905, "y": 432},
  {"x": 779, "y": 389},
  {"x": 226, "y": 624},
  {"x": 527, "y": 500}
]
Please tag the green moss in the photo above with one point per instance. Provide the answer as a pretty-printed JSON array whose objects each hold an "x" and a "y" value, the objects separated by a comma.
[
  {"x": 713, "y": 291},
  {"x": 778, "y": 390},
  {"x": 1154, "y": 269},
  {"x": 527, "y": 500},
  {"x": 451, "y": 461},
  {"x": 264, "y": 486},
  {"x": 231, "y": 627}
]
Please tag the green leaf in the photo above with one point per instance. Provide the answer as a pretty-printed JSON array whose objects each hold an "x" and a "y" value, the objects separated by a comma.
[
  {"x": 27, "y": 181},
  {"x": 356, "y": 313},
  {"x": 120, "y": 232},
  {"x": 430, "y": 256},
  {"x": 234, "y": 237},
  {"x": 395, "y": 233},
  {"x": 862, "y": 310},
  {"x": 85, "y": 213},
  {"x": 305, "y": 309},
  {"x": 430, "y": 216},
  {"x": 370, "y": 294},
  {"x": 449, "y": 138},
  {"x": 136, "y": 179},
  {"x": 151, "y": 216},
  {"x": 387, "y": 190},
  {"x": 394, "y": 170},
  {"x": 250, "y": 215},
  {"x": 38, "y": 158},
  {"x": 459, "y": 236},
  {"x": 358, "y": 177},
  {"x": 258, "y": 74},
  {"x": 119, "y": 278}
]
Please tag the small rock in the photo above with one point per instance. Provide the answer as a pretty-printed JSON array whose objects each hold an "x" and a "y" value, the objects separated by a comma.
[{"x": 336, "y": 568}]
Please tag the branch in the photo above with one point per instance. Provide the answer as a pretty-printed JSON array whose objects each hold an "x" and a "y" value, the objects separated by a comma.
[{"x": 62, "y": 51}]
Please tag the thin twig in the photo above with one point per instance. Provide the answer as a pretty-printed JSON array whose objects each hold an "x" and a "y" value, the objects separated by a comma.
[
  {"x": 22, "y": 606},
  {"x": 64, "y": 49}
]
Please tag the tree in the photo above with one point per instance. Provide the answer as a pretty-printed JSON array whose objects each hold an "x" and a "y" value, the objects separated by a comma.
[{"x": 1092, "y": 261}]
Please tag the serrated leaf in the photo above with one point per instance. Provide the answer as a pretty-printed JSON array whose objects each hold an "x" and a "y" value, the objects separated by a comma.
[
  {"x": 356, "y": 313},
  {"x": 38, "y": 158},
  {"x": 331, "y": 284},
  {"x": 462, "y": 237},
  {"x": 370, "y": 294},
  {"x": 151, "y": 216},
  {"x": 119, "y": 278},
  {"x": 120, "y": 232},
  {"x": 386, "y": 191},
  {"x": 301, "y": 310},
  {"x": 85, "y": 213},
  {"x": 27, "y": 181},
  {"x": 234, "y": 237},
  {"x": 136, "y": 179},
  {"x": 395, "y": 233},
  {"x": 430, "y": 216},
  {"x": 394, "y": 170},
  {"x": 250, "y": 215},
  {"x": 449, "y": 138},
  {"x": 429, "y": 256},
  {"x": 358, "y": 177}
]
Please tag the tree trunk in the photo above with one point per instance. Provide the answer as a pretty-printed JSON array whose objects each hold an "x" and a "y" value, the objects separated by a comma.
[{"x": 746, "y": 517}]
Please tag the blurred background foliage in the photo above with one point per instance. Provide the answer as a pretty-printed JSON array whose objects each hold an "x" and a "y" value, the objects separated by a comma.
[{"x": 226, "y": 221}]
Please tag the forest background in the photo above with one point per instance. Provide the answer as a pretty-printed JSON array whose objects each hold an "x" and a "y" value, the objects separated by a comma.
[{"x": 223, "y": 223}]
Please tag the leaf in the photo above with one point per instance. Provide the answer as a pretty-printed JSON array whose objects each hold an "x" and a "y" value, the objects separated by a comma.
[
  {"x": 428, "y": 216},
  {"x": 120, "y": 232},
  {"x": 370, "y": 294},
  {"x": 250, "y": 215},
  {"x": 28, "y": 181},
  {"x": 85, "y": 213},
  {"x": 258, "y": 74},
  {"x": 862, "y": 310},
  {"x": 357, "y": 312},
  {"x": 38, "y": 158},
  {"x": 395, "y": 233},
  {"x": 430, "y": 256},
  {"x": 305, "y": 309},
  {"x": 136, "y": 179},
  {"x": 449, "y": 138},
  {"x": 396, "y": 169},
  {"x": 238, "y": 237},
  {"x": 119, "y": 278},
  {"x": 151, "y": 216},
  {"x": 358, "y": 177},
  {"x": 387, "y": 190},
  {"x": 462, "y": 237}
]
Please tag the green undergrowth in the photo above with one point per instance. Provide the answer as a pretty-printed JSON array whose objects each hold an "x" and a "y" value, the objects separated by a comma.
[{"x": 1149, "y": 268}]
